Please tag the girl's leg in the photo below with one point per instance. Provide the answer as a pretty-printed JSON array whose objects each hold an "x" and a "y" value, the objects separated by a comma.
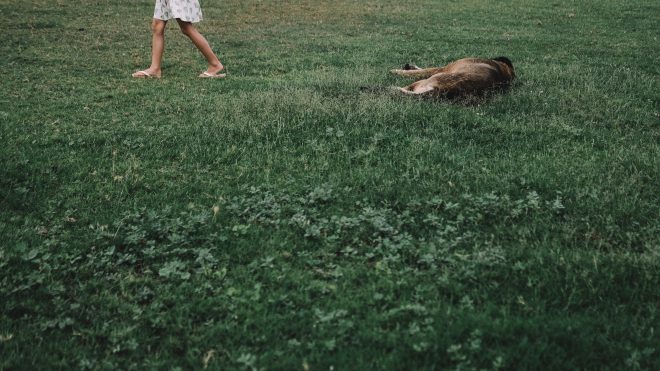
[
  {"x": 214, "y": 65},
  {"x": 157, "y": 44},
  {"x": 157, "y": 48}
]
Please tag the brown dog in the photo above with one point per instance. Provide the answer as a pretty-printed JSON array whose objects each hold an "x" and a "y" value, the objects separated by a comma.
[{"x": 469, "y": 76}]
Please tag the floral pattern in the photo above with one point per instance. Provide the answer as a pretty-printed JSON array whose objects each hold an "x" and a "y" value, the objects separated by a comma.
[{"x": 185, "y": 10}]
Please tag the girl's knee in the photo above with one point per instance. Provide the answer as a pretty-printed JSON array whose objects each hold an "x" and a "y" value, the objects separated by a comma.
[
  {"x": 158, "y": 26},
  {"x": 186, "y": 31},
  {"x": 186, "y": 27}
]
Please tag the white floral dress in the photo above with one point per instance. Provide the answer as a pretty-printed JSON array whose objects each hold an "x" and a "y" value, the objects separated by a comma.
[{"x": 185, "y": 10}]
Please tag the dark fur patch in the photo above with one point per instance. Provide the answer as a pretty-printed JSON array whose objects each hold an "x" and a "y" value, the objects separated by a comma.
[{"x": 504, "y": 60}]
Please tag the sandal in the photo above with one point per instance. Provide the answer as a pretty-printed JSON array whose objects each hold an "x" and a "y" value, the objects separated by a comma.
[
  {"x": 209, "y": 75},
  {"x": 144, "y": 75}
]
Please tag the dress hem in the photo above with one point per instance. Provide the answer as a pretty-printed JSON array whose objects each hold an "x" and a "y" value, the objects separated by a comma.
[{"x": 183, "y": 19}]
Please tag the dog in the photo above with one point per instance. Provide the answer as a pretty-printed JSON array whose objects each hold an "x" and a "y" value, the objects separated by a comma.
[{"x": 464, "y": 77}]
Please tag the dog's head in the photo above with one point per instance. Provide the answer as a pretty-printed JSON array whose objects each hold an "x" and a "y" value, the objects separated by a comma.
[
  {"x": 508, "y": 63},
  {"x": 504, "y": 60}
]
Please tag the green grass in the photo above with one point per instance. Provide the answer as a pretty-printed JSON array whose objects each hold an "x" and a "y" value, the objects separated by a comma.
[{"x": 352, "y": 230}]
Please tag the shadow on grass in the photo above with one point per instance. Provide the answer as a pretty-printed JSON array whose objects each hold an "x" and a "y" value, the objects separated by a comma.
[{"x": 459, "y": 100}]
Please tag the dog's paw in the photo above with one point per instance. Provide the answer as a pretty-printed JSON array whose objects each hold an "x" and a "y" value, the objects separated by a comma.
[{"x": 409, "y": 67}]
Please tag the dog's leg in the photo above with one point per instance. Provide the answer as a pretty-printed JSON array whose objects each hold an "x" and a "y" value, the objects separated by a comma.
[
  {"x": 423, "y": 73},
  {"x": 441, "y": 84},
  {"x": 417, "y": 88},
  {"x": 450, "y": 84},
  {"x": 415, "y": 92}
]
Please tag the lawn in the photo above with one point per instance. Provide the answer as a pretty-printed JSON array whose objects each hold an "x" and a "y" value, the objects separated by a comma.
[{"x": 287, "y": 218}]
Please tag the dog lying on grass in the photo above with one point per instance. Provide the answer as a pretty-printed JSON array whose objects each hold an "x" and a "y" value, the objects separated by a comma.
[{"x": 464, "y": 77}]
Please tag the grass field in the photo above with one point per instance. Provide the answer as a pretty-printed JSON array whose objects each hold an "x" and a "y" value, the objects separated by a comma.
[{"x": 282, "y": 218}]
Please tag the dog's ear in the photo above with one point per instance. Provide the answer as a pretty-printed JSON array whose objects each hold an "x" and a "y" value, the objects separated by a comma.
[{"x": 504, "y": 60}]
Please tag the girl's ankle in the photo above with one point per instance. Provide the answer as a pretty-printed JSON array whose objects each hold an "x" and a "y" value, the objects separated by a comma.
[{"x": 215, "y": 67}]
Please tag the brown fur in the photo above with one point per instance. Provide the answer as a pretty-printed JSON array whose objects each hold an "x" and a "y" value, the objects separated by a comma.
[{"x": 469, "y": 76}]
